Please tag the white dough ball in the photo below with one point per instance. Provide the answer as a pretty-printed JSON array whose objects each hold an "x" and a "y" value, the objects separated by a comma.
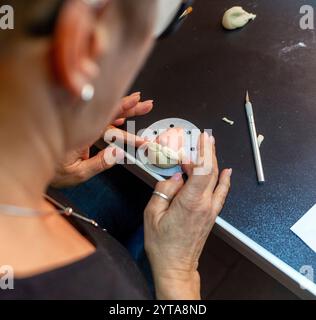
[{"x": 237, "y": 17}]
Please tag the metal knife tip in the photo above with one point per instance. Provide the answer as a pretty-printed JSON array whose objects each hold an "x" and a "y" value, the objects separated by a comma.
[{"x": 247, "y": 97}]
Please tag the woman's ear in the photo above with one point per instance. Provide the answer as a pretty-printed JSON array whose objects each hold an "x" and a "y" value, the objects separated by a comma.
[{"x": 76, "y": 47}]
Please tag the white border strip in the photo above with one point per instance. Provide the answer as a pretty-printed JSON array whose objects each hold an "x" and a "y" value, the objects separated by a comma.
[{"x": 302, "y": 281}]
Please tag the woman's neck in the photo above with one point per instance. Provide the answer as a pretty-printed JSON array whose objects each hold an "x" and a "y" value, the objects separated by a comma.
[
  {"x": 23, "y": 186},
  {"x": 30, "y": 134}
]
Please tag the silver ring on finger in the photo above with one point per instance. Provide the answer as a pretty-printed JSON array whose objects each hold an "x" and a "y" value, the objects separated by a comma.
[{"x": 161, "y": 195}]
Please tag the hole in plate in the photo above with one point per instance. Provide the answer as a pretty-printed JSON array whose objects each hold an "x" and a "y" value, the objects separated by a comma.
[{"x": 172, "y": 126}]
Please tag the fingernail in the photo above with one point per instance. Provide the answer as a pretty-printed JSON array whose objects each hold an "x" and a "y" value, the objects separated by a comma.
[
  {"x": 148, "y": 103},
  {"x": 135, "y": 98},
  {"x": 136, "y": 94},
  {"x": 230, "y": 172},
  {"x": 132, "y": 102},
  {"x": 212, "y": 139},
  {"x": 177, "y": 177}
]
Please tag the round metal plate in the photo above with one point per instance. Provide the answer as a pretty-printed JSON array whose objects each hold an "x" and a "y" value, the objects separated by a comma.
[{"x": 158, "y": 128}]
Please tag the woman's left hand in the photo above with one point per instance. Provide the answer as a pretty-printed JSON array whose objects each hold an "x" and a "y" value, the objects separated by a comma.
[{"x": 79, "y": 167}]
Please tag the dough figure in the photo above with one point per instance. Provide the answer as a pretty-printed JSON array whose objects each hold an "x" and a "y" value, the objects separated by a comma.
[
  {"x": 237, "y": 17},
  {"x": 168, "y": 149},
  {"x": 162, "y": 157}
]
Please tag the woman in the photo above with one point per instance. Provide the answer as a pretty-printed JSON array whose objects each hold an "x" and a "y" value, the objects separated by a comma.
[{"x": 63, "y": 71}]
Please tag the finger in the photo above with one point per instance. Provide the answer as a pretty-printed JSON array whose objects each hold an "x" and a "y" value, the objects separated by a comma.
[
  {"x": 204, "y": 163},
  {"x": 221, "y": 192},
  {"x": 104, "y": 160},
  {"x": 140, "y": 109},
  {"x": 129, "y": 102},
  {"x": 119, "y": 122},
  {"x": 119, "y": 136},
  {"x": 126, "y": 104},
  {"x": 201, "y": 175},
  {"x": 215, "y": 170},
  {"x": 170, "y": 188},
  {"x": 188, "y": 164}
]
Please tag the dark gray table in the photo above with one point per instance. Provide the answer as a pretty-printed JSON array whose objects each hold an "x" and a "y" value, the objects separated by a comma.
[{"x": 202, "y": 73}]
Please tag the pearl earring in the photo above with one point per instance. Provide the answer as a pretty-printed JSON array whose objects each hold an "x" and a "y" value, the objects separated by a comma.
[{"x": 87, "y": 93}]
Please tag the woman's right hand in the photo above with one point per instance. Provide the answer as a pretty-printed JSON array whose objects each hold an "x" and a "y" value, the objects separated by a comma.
[
  {"x": 176, "y": 231},
  {"x": 78, "y": 167}
]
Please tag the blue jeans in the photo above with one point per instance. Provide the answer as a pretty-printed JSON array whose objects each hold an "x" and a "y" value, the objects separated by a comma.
[{"x": 116, "y": 200}]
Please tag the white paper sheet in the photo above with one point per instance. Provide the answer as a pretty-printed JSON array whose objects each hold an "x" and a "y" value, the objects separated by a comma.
[{"x": 305, "y": 228}]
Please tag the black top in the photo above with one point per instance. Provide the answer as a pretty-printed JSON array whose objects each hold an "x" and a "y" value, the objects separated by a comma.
[{"x": 108, "y": 274}]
